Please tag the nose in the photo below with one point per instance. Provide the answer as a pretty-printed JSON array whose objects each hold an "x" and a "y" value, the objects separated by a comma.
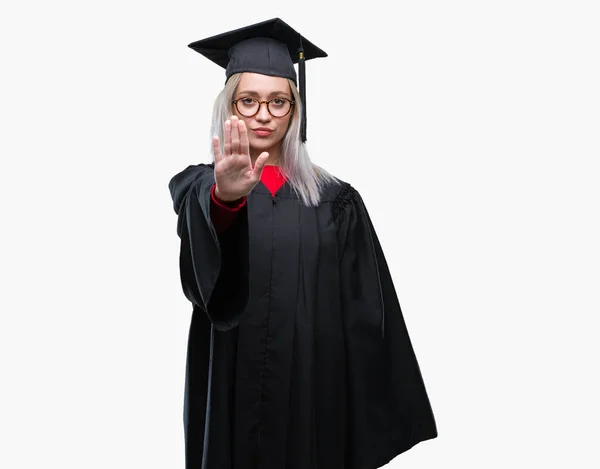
[{"x": 263, "y": 113}]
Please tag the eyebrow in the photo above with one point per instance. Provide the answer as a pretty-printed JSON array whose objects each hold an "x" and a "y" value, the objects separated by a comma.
[{"x": 274, "y": 93}]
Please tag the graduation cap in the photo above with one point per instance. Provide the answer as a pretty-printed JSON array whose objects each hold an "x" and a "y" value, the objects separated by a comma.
[{"x": 270, "y": 47}]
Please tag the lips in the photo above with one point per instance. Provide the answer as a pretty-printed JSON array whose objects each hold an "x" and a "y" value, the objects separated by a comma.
[{"x": 262, "y": 131}]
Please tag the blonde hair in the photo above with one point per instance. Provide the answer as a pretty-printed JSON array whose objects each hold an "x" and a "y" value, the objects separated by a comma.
[{"x": 305, "y": 178}]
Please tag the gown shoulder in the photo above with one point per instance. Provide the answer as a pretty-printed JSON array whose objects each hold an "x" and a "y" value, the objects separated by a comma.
[{"x": 180, "y": 183}]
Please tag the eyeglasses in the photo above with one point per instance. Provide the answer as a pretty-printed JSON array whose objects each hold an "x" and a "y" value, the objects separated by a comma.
[{"x": 277, "y": 107}]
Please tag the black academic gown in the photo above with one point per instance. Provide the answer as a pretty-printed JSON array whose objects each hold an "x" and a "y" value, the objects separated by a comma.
[{"x": 298, "y": 353}]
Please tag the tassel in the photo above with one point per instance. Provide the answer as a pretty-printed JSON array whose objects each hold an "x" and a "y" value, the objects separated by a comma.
[{"x": 302, "y": 70}]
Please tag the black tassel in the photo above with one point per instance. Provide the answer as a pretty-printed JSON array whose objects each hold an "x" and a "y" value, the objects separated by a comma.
[{"x": 302, "y": 70}]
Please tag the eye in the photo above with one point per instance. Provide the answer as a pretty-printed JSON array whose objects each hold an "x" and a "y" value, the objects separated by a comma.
[
  {"x": 247, "y": 101},
  {"x": 278, "y": 101}
]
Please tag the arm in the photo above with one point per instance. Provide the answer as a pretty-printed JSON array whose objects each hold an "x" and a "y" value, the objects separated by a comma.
[
  {"x": 386, "y": 388},
  {"x": 213, "y": 266},
  {"x": 222, "y": 213}
]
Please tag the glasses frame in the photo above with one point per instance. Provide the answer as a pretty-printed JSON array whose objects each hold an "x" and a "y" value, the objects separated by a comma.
[{"x": 260, "y": 103}]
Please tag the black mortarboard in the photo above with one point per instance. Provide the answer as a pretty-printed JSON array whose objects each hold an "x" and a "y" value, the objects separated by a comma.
[{"x": 271, "y": 47}]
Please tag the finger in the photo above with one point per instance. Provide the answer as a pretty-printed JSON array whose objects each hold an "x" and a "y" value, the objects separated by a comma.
[
  {"x": 259, "y": 165},
  {"x": 217, "y": 150},
  {"x": 235, "y": 136},
  {"x": 244, "y": 143},
  {"x": 227, "y": 142}
]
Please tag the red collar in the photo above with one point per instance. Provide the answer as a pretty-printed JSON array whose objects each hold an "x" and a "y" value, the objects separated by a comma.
[{"x": 272, "y": 178}]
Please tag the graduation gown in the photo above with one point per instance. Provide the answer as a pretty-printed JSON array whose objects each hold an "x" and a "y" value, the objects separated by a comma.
[{"x": 298, "y": 354}]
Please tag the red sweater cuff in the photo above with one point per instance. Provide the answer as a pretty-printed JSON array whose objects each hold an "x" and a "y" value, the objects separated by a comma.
[
  {"x": 228, "y": 206},
  {"x": 222, "y": 214}
]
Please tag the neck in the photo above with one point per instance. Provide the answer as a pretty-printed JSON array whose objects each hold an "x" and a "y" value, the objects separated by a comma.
[{"x": 273, "y": 155}]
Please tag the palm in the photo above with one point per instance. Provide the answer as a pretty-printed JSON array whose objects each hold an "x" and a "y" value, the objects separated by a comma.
[{"x": 234, "y": 175}]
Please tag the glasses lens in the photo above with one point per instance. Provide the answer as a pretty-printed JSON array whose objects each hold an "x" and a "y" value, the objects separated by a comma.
[
  {"x": 279, "y": 107},
  {"x": 247, "y": 106}
]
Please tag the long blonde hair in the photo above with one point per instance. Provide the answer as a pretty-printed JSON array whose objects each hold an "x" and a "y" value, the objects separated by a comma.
[{"x": 306, "y": 178}]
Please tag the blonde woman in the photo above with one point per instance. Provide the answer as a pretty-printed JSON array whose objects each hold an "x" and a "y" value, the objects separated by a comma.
[{"x": 298, "y": 353}]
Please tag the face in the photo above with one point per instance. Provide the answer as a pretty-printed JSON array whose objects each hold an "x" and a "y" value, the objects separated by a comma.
[{"x": 264, "y": 88}]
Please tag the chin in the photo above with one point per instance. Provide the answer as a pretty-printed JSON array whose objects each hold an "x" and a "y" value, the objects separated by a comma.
[{"x": 262, "y": 144}]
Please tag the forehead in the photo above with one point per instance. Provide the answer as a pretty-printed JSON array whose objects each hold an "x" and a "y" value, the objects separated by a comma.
[{"x": 263, "y": 84}]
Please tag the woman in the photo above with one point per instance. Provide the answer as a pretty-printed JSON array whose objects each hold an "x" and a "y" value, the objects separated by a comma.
[{"x": 298, "y": 354}]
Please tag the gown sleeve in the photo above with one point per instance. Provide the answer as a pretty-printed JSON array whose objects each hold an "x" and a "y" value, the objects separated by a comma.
[
  {"x": 390, "y": 408},
  {"x": 213, "y": 266}
]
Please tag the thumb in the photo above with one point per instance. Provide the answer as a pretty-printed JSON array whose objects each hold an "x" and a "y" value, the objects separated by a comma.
[{"x": 260, "y": 163}]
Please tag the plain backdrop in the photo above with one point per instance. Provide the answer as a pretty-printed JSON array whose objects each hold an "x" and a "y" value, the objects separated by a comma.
[{"x": 470, "y": 128}]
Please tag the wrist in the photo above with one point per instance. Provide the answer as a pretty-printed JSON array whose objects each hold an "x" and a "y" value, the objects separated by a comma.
[{"x": 221, "y": 198}]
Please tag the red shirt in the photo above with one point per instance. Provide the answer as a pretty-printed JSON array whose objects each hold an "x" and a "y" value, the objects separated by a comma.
[{"x": 222, "y": 213}]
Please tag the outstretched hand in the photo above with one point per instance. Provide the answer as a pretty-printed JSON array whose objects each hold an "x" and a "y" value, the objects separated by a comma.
[{"x": 234, "y": 175}]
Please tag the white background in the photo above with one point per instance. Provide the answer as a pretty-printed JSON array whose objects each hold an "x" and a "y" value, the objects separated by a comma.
[{"x": 470, "y": 128}]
